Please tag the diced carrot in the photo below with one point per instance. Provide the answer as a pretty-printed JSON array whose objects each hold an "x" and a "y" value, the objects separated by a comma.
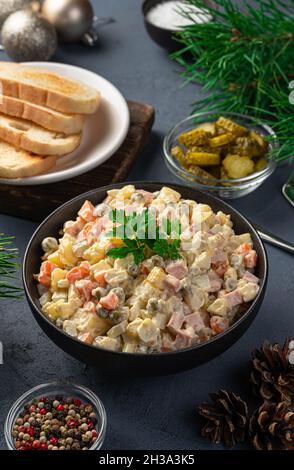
[
  {"x": 250, "y": 259},
  {"x": 220, "y": 268},
  {"x": 244, "y": 248},
  {"x": 86, "y": 338},
  {"x": 110, "y": 301},
  {"x": 86, "y": 212},
  {"x": 77, "y": 273},
  {"x": 84, "y": 288},
  {"x": 100, "y": 278},
  {"x": 44, "y": 277},
  {"x": 218, "y": 324}
]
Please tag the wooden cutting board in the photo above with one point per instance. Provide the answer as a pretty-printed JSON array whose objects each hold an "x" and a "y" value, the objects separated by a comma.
[{"x": 36, "y": 202}]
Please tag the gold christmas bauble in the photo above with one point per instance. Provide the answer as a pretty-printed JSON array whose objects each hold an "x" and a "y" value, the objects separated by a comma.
[
  {"x": 10, "y": 6},
  {"x": 27, "y": 36},
  {"x": 71, "y": 18}
]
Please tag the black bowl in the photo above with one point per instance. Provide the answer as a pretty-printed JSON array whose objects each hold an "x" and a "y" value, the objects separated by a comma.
[
  {"x": 138, "y": 364},
  {"x": 162, "y": 36}
]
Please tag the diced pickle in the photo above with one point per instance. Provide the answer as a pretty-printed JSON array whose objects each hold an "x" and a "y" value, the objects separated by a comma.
[
  {"x": 231, "y": 126},
  {"x": 261, "y": 164},
  {"x": 194, "y": 137},
  {"x": 238, "y": 167},
  {"x": 202, "y": 158},
  {"x": 221, "y": 140},
  {"x": 178, "y": 153}
]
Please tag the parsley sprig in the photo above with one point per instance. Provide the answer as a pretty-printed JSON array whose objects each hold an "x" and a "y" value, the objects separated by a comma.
[{"x": 165, "y": 241}]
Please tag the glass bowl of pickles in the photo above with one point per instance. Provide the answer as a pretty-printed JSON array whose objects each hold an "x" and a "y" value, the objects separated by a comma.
[{"x": 228, "y": 154}]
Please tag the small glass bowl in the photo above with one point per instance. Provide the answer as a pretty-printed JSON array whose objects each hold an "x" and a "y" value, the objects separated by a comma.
[
  {"x": 51, "y": 389},
  {"x": 226, "y": 189}
]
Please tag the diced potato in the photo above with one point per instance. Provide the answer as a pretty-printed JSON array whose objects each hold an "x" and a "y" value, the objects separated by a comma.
[
  {"x": 57, "y": 309},
  {"x": 160, "y": 320},
  {"x": 115, "y": 277},
  {"x": 219, "y": 307},
  {"x": 194, "y": 137},
  {"x": 231, "y": 126},
  {"x": 113, "y": 344},
  {"x": 249, "y": 291},
  {"x": 238, "y": 167},
  {"x": 147, "y": 331},
  {"x": 55, "y": 259},
  {"x": 132, "y": 328},
  {"x": 118, "y": 329},
  {"x": 93, "y": 323},
  {"x": 102, "y": 265},
  {"x": 156, "y": 277},
  {"x": 66, "y": 253},
  {"x": 169, "y": 195},
  {"x": 194, "y": 297},
  {"x": 69, "y": 327},
  {"x": 202, "y": 262},
  {"x": 135, "y": 311},
  {"x": 221, "y": 140},
  {"x": 94, "y": 254},
  {"x": 126, "y": 192},
  {"x": 60, "y": 294},
  {"x": 56, "y": 276},
  {"x": 202, "y": 158}
]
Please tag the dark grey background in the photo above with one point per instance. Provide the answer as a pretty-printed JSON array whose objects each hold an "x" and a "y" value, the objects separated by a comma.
[{"x": 154, "y": 413}]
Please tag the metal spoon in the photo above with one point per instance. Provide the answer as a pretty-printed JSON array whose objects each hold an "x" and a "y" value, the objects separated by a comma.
[{"x": 273, "y": 240}]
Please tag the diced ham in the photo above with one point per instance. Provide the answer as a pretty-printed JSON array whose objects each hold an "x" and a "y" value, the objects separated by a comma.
[
  {"x": 183, "y": 339},
  {"x": 249, "y": 277},
  {"x": 250, "y": 259},
  {"x": 171, "y": 282},
  {"x": 220, "y": 267},
  {"x": 177, "y": 269},
  {"x": 215, "y": 282},
  {"x": 219, "y": 256},
  {"x": 194, "y": 321},
  {"x": 167, "y": 343},
  {"x": 233, "y": 298},
  {"x": 176, "y": 321},
  {"x": 110, "y": 301},
  {"x": 148, "y": 197},
  {"x": 87, "y": 212}
]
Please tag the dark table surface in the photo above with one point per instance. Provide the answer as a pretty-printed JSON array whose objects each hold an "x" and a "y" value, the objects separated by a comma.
[{"x": 153, "y": 413}]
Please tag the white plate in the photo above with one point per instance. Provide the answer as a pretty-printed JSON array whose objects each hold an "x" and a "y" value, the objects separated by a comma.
[{"x": 103, "y": 134}]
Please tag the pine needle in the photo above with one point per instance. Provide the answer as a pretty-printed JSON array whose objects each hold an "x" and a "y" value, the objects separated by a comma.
[
  {"x": 8, "y": 269},
  {"x": 244, "y": 59}
]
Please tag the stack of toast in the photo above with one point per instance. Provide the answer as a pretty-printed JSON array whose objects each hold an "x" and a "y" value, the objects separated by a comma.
[{"x": 42, "y": 116}]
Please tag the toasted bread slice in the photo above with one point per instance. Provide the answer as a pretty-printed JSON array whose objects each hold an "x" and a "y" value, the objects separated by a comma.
[
  {"x": 17, "y": 163},
  {"x": 48, "y": 89},
  {"x": 45, "y": 117},
  {"x": 36, "y": 139}
]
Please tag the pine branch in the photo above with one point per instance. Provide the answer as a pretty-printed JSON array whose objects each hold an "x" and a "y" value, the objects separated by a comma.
[
  {"x": 244, "y": 59},
  {"x": 8, "y": 269}
]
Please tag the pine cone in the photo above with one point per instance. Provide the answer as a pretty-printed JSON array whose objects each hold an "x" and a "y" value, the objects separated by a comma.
[
  {"x": 271, "y": 427},
  {"x": 272, "y": 374},
  {"x": 226, "y": 418}
]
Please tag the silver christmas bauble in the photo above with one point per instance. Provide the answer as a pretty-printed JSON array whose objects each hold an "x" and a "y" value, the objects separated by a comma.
[
  {"x": 71, "y": 18},
  {"x": 10, "y": 6},
  {"x": 27, "y": 36}
]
